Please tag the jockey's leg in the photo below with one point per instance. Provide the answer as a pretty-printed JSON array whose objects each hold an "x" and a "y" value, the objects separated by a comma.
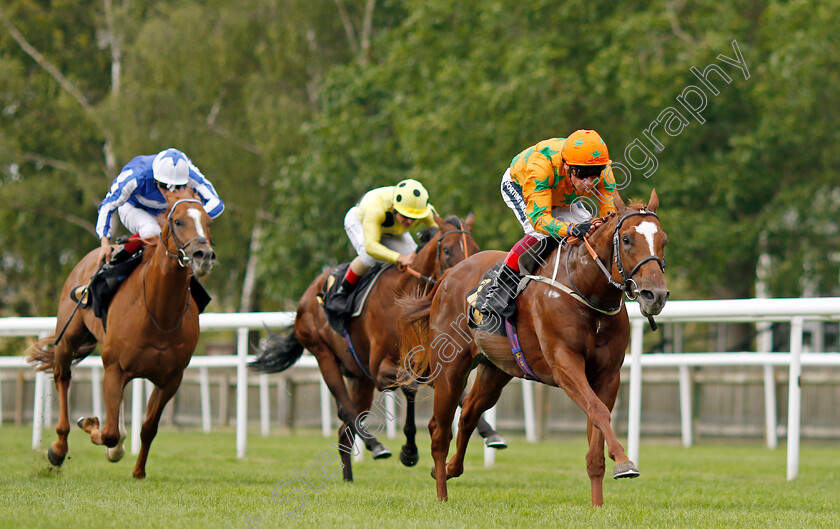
[
  {"x": 141, "y": 223},
  {"x": 498, "y": 295}
]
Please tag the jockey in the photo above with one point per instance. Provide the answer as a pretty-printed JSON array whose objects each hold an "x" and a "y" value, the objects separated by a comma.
[
  {"x": 137, "y": 195},
  {"x": 544, "y": 186},
  {"x": 379, "y": 229}
]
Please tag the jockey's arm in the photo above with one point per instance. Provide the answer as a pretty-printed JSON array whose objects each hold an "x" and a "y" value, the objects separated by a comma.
[
  {"x": 537, "y": 190},
  {"x": 121, "y": 190},
  {"x": 213, "y": 205},
  {"x": 605, "y": 191},
  {"x": 371, "y": 227}
]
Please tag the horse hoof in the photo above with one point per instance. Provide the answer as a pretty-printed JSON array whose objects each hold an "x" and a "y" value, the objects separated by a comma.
[
  {"x": 55, "y": 459},
  {"x": 625, "y": 469},
  {"x": 87, "y": 423},
  {"x": 409, "y": 457},
  {"x": 495, "y": 441},
  {"x": 115, "y": 454},
  {"x": 380, "y": 452}
]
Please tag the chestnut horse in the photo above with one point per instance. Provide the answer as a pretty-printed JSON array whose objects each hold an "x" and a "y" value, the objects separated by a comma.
[
  {"x": 152, "y": 329},
  {"x": 572, "y": 326},
  {"x": 374, "y": 337}
]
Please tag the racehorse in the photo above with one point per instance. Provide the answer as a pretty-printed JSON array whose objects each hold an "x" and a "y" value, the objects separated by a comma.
[
  {"x": 152, "y": 329},
  {"x": 373, "y": 335},
  {"x": 572, "y": 326}
]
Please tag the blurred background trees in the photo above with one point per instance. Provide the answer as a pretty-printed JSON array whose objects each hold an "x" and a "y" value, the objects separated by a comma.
[{"x": 293, "y": 110}]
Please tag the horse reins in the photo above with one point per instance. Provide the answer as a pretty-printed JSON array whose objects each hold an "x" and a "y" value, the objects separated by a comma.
[{"x": 431, "y": 280}]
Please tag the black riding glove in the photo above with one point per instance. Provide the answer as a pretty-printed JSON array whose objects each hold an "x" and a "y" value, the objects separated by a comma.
[{"x": 579, "y": 230}]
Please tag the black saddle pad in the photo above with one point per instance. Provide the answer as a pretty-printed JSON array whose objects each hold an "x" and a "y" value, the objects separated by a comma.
[
  {"x": 356, "y": 300},
  {"x": 107, "y": 281},
  {"x": 488, "y": 321}
]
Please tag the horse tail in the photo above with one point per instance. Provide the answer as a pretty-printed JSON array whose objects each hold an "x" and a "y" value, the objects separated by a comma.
[
  {"x": 277, "y": 353},
  {"x": 414, "y": 337},
  {"x": 41, "y": 354}
]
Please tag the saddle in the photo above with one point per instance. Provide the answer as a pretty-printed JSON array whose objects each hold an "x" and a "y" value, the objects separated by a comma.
[
  {"x": 356, "y": 302},
  {"x": 97, "y": 294},
  {"x": 528, "y": 263}
]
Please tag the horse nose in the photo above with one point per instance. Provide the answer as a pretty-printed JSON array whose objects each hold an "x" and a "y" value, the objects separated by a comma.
[
  {"x": 653, "y": 300},
  {"x": 205, "y": 256}
]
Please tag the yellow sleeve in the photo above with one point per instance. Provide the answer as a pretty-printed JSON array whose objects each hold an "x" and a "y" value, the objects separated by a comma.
[
  {"x": 429, "y": 220},
  {"x": 372, "y": 229}
]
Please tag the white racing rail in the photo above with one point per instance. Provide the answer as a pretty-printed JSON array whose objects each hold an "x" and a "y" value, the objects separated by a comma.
[{"x": 759, "y": 311}]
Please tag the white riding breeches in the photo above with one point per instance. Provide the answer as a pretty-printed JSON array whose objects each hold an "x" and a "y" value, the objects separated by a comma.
[{"x": 138, "y": 220}]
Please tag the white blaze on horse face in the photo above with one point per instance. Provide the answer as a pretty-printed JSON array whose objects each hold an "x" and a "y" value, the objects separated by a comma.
[
  {"x": 196, "y": 215},
  {"x": 648, "y": 229}
]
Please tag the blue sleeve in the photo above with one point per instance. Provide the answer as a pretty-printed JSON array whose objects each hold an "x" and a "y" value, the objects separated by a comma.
[
  {"x": 213, "y": 205},
  {"x": 121, "y": 190}
]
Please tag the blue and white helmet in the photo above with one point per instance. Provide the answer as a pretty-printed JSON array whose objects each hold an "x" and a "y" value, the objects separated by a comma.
[{"x": 171, "y": 167}]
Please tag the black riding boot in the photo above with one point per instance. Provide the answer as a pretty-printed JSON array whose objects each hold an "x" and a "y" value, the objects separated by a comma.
[
  {"x": 338, "y": 301},
  {"x": 497, "y": 296}
]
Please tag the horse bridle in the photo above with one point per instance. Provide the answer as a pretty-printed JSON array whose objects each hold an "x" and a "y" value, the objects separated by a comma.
[
  {"x": 629, "y": 286},
  {"x": 181, "y": 254},
  {"x": 431, "y": 280},
  {"x": 439, "y": 247}
]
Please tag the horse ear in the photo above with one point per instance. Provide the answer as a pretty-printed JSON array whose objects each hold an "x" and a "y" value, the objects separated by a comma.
[
  {"x": 653, "y": 203},
  {"x": 617, "y": 202},
  {"x": 439, "y": 220},
  {"x": 469, "y": 221}
]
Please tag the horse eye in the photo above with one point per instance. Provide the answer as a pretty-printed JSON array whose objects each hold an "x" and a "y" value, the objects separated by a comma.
[
  {"x": 446, "y": 251},
  {"x": 626, "y": 239},
  {"x": 178, "y": 222}
]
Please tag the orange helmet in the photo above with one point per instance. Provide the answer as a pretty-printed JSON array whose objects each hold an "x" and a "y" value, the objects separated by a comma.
[{"x": 585, "y": 147}]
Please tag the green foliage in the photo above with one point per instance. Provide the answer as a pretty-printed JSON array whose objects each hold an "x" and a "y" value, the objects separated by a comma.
[{"x": 293, "y": 118}]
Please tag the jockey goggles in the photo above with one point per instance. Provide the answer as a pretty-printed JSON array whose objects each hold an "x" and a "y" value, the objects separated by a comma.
[{"x": 586, "y": 171}]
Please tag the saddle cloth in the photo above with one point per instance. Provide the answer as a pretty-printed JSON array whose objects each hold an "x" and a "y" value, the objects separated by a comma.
[{"x": 357, "y": 299}]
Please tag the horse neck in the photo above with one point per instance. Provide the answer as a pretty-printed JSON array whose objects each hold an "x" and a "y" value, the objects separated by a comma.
[
  {"x": 587, "y": 275},
  {"x": 165, "y": 286},
  {"x": 426, "y": 260},
  {"x": 425, "y": 263}
]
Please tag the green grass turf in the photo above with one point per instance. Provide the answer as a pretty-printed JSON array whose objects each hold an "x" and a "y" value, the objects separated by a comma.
[{"x": 195, "y": 481}]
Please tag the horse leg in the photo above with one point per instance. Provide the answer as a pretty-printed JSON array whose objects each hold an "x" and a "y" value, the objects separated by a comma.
[
  {"x": 409, "y": 454},
  {"x": 61, "y": 374},
  {"x": 113, "y": 384},
  {"x": 489, "y": 382},
  {"x": 569, "y": 373},
  {"x": 448, "y": 388},
  {"x": 116, "y": 453},
  {"x": 492, "y": 438},
  {"x": 361, "y": 390},
  {"x": 606, "y": 388},
  {"x": 386, "y": 377},
  {"x": 160, "y": 396},
  {"x": 331, "y": 373}
]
